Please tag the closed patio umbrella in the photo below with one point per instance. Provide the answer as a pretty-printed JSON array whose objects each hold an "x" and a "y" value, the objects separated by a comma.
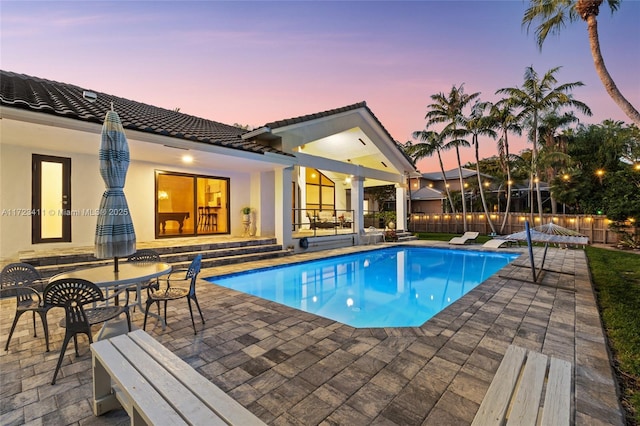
[{"x": 115, "y": 236}]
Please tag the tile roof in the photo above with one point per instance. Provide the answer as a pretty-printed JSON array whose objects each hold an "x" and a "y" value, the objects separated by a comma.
[
  {"x": 450, "y": 174},
  {"x": 426, "y": 193},
  {"x": 66, "y": 100},
  {"x": 309, "y": 117}
]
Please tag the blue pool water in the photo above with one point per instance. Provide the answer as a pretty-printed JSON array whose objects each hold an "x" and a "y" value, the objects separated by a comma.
[{"x": 390, "y": 287}]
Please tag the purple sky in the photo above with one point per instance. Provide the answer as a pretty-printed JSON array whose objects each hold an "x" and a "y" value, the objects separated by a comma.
[{"x": 255, "y": 62}]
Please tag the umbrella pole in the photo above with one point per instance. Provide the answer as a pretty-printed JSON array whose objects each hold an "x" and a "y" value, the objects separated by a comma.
[{"x": 115, "y": 264}]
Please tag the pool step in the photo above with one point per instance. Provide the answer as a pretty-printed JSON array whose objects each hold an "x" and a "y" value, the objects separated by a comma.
[{"x": 179, "y": 256}]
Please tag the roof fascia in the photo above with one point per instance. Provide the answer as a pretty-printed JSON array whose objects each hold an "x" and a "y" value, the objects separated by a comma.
[
  {"x": 391, "y": 148},
  {"x": 322, "y": 163},
  {"x": 39, "y": 118}
]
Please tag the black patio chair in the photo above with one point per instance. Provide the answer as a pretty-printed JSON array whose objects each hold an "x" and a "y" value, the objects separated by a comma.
[
  {"x": 143, "y": 256},
  {"x": 170, "y": 292},
  {"x": 19, "y": 279},
  {"x": 73, "y": 294}
]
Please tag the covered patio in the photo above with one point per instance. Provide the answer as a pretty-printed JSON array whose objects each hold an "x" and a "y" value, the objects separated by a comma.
[{"x": 290, "y": 367}]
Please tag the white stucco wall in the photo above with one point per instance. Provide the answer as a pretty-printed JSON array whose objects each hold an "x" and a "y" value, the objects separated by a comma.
[{"x": 87, "y": 187}]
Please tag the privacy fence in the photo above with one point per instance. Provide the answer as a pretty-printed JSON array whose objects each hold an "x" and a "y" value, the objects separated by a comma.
[{"x": 594, "y": 227}]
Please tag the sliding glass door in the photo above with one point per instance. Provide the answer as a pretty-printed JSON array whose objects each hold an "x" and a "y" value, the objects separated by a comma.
[{"x": 191, "y": 205}]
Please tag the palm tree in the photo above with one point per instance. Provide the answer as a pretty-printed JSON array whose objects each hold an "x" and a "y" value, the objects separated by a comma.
[
  {"x": 552, "y": 16},
  {"x": 502, "y": 113},
  {"x": 553, "y": 146},
  {"x": 479, "y": 124},
  {"x": 432, "y": 142},
  {"x": 537, "y": 95},
  {"x": 448, "y": 109}
]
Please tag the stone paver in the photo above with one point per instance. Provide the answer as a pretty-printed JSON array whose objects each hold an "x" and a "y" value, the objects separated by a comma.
[{"x": 294, "y": 368}]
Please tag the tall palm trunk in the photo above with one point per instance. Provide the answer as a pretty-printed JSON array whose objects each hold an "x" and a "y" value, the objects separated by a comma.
[
  {"x": 603, "y": 73},
  {"x": 534, "y": 171},
  {"x": 464, "y": 202},
  {"x": 508, "y": 165},
  {"x": 484, "y": 202},
  {"x": 554, "y": 208},
  {"x": 508, "y": 207},
  {"x": 446, "y": 187}
]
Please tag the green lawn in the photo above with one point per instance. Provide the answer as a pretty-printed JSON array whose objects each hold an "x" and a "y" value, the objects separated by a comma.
[{"x": 616, "y": 279}]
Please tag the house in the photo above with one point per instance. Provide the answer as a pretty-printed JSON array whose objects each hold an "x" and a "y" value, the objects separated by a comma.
[
  {"x": 188, "y": 176},
  {"x": 427, "y": 200},
  {"x": 428, "y": 191}
]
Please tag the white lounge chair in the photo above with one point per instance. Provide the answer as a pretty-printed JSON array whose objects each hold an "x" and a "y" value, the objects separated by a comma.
[
  {"x": 372, "y": 231},
  {"x": 468, "y": 236},
  {"x": 497, "y": 243}
]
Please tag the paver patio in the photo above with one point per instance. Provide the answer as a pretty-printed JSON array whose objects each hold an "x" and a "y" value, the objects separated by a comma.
[{"x": 293, "y": 368}]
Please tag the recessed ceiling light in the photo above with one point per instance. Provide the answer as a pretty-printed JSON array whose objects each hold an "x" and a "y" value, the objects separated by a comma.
[{"x": 187, "y": 159}]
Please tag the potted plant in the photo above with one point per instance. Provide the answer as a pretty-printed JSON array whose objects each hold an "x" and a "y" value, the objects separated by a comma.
[
  {"x": 389, "y": 218},
  {"x": 246, "y": 219}
]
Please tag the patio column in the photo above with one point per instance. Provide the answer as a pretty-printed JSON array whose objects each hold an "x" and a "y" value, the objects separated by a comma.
[
  {"x": 401, "y": 206},
  {"x": 283, "y": 202},
  {"x": 357, "y": 204}
]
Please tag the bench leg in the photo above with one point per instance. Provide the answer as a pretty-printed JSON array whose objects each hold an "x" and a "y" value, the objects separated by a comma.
[{"x": 103, "y": 399}]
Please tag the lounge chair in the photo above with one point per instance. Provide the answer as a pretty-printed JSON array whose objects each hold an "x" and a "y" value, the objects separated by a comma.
[
  {"x": 498, "y": 242},
  {"x": 372, "y": 231},
  {"x": 468, "y": 236}
]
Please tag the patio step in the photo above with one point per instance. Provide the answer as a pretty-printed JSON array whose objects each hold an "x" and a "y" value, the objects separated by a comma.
[
  {"x": 406, "y": 236},
  {"x": 179, "y": 256}
]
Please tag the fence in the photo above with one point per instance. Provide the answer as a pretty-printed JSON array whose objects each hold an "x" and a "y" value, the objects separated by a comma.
[{"x": 594, "y": 227}]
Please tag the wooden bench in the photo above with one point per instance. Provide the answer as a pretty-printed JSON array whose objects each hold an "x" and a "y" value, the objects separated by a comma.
[
  {"x": 522, "y": 380},
  {"x": 154, "y": 386}
]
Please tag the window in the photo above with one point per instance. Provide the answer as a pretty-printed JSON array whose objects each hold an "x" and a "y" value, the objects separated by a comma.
[
  {"x": 320, "y": 191},
  {"x": 191, "y": 204}
]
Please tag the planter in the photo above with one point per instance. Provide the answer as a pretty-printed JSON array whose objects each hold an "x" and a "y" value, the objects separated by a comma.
[{"x": 246, "y": 222}]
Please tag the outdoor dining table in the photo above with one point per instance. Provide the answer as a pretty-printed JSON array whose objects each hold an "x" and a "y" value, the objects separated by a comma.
[{"x": 128, "y": 274}]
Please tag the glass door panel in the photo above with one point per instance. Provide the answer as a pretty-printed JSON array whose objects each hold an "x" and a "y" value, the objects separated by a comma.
[
  {"x": 213, "y": 205},
  {"x": 51, "y": 199},
  {"x": 175, "y": 201},
  {"x": 191, "y": 205}
]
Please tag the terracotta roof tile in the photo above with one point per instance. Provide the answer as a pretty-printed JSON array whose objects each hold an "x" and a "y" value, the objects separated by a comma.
[{"x": 61, "y": 99}]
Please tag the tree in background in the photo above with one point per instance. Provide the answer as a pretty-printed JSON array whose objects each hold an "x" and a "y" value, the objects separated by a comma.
[
  {"x": 432, "y": 143},
  {"x": 553, "y": 15},
  {"x": 537, "y": 96},
  {"x": 502, "y": 113},
  {"x": 478, "y": 124},
  {"x": 448, "y": 110},
  {"x": 600, "y": 151},
  {"x": 553, "y": 147}
]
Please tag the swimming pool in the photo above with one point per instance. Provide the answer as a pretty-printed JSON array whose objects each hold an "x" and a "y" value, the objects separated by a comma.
[{"x": 390, "y": 287}]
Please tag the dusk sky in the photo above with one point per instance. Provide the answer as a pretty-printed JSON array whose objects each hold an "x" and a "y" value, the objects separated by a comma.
[{"x": 256, "y": 62}]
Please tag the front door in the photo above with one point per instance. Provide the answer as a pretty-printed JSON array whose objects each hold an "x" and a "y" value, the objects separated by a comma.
[{"x": 51, "y": 199}]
